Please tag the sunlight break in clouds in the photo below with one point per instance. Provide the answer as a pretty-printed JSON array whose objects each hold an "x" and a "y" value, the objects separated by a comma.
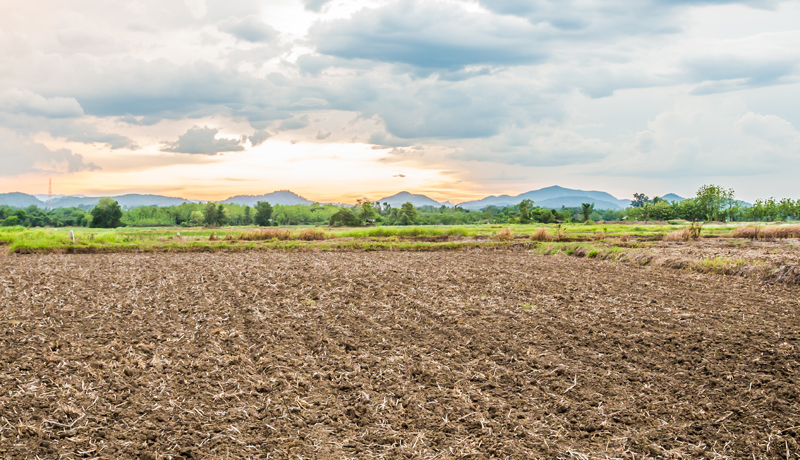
[{"x": 340, "y": 99}]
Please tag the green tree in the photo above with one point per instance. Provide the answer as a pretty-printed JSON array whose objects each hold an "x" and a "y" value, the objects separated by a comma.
[
  {"x": 525, "y": 207},
  {"x": 367, "y": 211},
  {"x": 344, "y": 217},
  {"x": 210, "y": 214},
  {"x": 263, "y": 213},
  {"x": 248, "y": 218},
  {"x": 408, "y": 214},
  {"x": 106, "y": 214},
  {"x": 714, "y": 201},
  {"x": 639, "y": 200},
  {"x": 586, "y": 210},
  {"x": 222, "y": 217}
]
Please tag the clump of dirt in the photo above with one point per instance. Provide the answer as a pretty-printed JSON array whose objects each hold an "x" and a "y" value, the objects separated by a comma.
[{"x": 473, "y": 354}]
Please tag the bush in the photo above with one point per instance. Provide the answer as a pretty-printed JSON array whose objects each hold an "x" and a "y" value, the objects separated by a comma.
[{"x": 589, "y": 222}]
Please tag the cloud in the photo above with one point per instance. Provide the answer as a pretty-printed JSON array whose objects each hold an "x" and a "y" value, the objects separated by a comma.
[
  {"x": 19, "y": 155},
  {"x": 731, "y": 73},
  {"x": 315, "y": 5},
  {"x": 259, "y": 137},
  {"x": 203, "y": 141},
  {"x": 16, "y": 101},
  {"x": 322, "y": 136},
  {"x": 294, "y": 123},
  {"x": 769, "y": 128},
  {"x": 540, "y": 146},
  {"x": 250, "y": 29},
  {"x": 399, "y": 175},
  {"x": 429, "y": 35},
  {"x": 708, "y": 138}
]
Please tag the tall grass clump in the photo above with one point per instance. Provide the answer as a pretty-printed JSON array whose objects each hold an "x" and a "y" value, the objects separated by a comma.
[
  {"x": 679, "y": 235},
  {"x": 542, "y": 235},
  {"x": 312, "y": 234},
  {"x": 504, "y": 235},
  {"x": 768, "y": 233},
  {"x": 266, "y": 234}
]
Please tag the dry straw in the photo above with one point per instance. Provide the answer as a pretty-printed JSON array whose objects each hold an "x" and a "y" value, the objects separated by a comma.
[
  {"x": 542, "y": 234},
  {"x": 767, "y": 233},
  {"x": 504, "y": 235}
]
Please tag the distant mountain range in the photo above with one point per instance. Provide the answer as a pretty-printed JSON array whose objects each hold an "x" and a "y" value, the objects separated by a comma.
[
  {"x": 282, "y": 197},
  {"x": 397, "y": 200},
  {"x": 553, "y": 197}
]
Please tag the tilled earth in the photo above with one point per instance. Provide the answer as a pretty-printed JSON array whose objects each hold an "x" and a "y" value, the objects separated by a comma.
[{"x": 469, "y": 354}]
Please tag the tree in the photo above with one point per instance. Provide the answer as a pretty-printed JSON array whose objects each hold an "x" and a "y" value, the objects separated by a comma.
[
  {"x": 210, "y": 214},
  {"x": 408, "y": 213},
  {"x": 367, "y": 211},
  {"x": 639, "y": 200},
  {"x": 344, "y": 217},
  {"x": 586, "y": 210},
  {"x": 247, "y": 219},
  {"x": 525, "y": 207},
  {"x": 714, "y": 201},
  {"x": 263, "y": 213},
  {"x": 222, "y": 219},
  {"x": 106, "y": 214}
]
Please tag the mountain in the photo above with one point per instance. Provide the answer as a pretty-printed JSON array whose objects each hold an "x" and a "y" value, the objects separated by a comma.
[
  {"x": 670, "y": 197},
  {"x": 417, "y": 200},
  {"x": 282, "y": 197},
  {"x": 125, "y": 201},
  {"x": 575, "y": 202},
  {"x": 552, "y": 197},
  {"x": 19, "y": 200}
]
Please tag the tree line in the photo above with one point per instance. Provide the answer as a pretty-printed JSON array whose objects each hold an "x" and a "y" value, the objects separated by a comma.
[{"x": 711, "y": 203}]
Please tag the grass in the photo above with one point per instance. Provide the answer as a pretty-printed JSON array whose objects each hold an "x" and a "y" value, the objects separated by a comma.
[{"x": 596, "y": 241}]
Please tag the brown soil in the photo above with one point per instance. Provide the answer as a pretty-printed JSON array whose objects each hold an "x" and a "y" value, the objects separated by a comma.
[{"x": 467, "y": 354}]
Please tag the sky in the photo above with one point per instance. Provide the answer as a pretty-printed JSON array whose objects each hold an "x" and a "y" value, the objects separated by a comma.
[{"x": 339, "y": 100}]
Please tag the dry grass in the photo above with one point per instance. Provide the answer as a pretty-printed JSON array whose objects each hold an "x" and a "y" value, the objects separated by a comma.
[
  {"x": 599, "y": 236},
  {"x": 504, "y": 235},
  {"x": 312, "y": 234},
  {"x": 542, "y": 235},
  {"x": 768, "y": 233},
  {"x": 679, "y": 235},
  {"x": 266, "y": 234},
  {"x": 624, "y": 238}
]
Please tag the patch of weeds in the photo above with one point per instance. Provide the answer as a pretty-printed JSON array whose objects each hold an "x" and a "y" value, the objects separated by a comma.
[
  {"x": 527, "y": 306},
  {"x": 593, "y": 253}
]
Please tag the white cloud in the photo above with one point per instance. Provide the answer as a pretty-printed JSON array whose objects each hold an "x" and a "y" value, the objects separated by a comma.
[
  {"x": 19, "y": 155},
  {"x": 203, "y": 141},
  {"x": 19, "y": 101}
]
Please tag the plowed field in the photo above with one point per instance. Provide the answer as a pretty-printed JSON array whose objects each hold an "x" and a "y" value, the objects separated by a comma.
[{"x": 464, "y": 354}]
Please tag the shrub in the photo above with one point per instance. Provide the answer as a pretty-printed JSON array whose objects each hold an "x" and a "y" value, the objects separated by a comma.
[
  {"x": 504, "y": 235},
  {"x": 542, "y": 235},
  {"x": 589, "y": 222}
]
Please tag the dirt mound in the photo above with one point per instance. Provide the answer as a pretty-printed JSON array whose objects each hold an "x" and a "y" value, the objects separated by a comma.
[{"x": 473, "y": 354}]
